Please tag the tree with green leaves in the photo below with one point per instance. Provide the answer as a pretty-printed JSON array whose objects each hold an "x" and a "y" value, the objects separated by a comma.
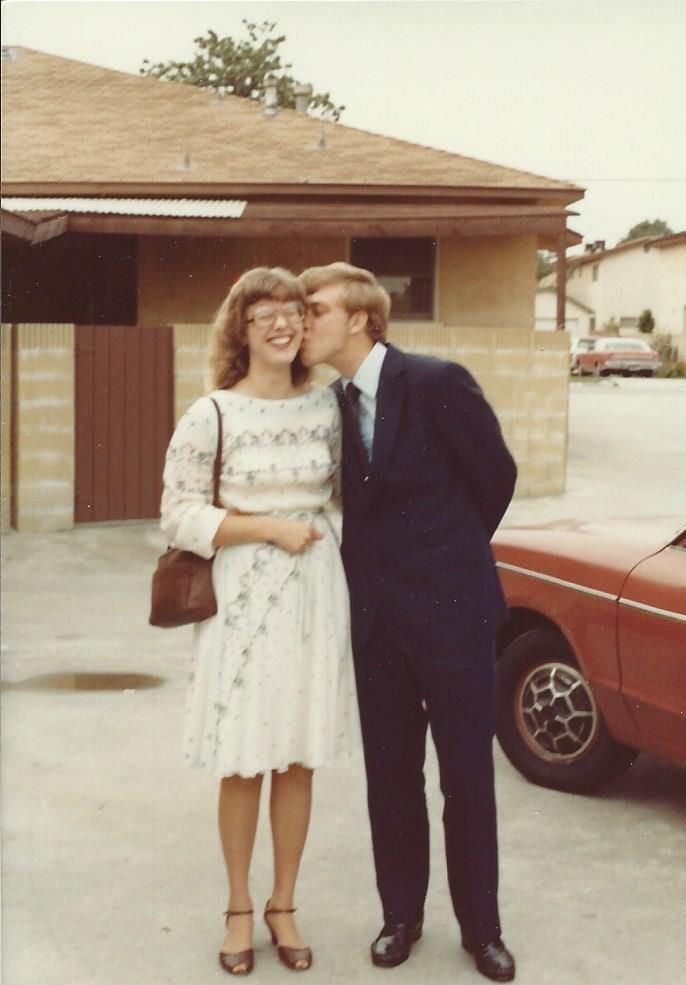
[
  {"x": 240, "y": 67},
  {"x": 545, "y": 263},
  {"x": 648, "y": 227},
  {"x": 646, "y": 321}
]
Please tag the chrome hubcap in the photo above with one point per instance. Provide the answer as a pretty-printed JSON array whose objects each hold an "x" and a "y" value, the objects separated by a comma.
[{"x": 556, "y": 713}]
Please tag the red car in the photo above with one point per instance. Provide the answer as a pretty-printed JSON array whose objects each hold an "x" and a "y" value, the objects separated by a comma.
[
  {"x": 592, "y": 662},
  {"x": 605, "y": 355}
]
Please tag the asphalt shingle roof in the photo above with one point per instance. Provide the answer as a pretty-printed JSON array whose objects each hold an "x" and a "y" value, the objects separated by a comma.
[{"x": 67, "y": 121}]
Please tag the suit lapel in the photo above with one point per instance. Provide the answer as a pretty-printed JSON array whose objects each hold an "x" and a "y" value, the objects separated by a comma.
[{"x": 389, "y": 403}]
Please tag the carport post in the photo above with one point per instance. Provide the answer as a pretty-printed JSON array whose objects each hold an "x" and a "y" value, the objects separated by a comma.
[{"x": 561, "y": 267}]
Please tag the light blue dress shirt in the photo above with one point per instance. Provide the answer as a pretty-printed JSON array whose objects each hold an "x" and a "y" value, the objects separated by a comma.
[{"x": 366, "y": 379}]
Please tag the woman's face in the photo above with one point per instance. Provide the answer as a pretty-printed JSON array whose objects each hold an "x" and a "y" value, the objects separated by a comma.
[{"x": 274, "y": 331}]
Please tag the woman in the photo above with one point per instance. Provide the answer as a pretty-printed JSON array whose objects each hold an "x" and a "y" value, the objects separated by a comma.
[{"x": 272, "y": 686}]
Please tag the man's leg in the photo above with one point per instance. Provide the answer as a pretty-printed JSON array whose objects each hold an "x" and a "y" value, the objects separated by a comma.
[
  {"x": 394, "y": 737},
  {"x": 461, "y": 705}
]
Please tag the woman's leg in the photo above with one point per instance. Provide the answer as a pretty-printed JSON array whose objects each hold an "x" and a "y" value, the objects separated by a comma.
[
  {"x": 290, "y": 802},
  {"x": 239, "y": 802}
]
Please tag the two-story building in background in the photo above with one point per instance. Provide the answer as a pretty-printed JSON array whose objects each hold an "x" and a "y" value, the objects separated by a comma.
[{"x": 616, "y": 285}]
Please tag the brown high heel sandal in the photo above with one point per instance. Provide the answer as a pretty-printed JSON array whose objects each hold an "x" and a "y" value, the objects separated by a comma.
[
  {"x": 241, "y": 962},
  {"x": 290, "y": 956}
]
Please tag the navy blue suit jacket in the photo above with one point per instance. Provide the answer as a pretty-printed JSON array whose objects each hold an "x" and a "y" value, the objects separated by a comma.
[{"x": 417, "y": 523}]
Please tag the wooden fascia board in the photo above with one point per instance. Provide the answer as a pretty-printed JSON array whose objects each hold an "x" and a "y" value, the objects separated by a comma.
[
  {"x": 549, "y": 242},
  {"x": 18, "y": 226},
  {"x": 339, "y": 211},
  {"x": 34, "y": 231},
  {"x": 309, "y": 229},
  {"x": 556, "y": 196}
]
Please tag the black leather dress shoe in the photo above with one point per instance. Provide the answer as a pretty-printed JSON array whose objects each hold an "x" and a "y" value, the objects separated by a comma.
[
  {"x": 394, "y": 943},
  {"x": 493, "y": 959}
]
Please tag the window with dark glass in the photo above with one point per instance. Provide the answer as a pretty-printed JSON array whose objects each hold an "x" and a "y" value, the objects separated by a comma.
[
  {"x": 405, "y": 267},
  {"x": 82, "y": 278}
]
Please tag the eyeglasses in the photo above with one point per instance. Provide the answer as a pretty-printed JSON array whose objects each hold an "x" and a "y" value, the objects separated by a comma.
[{"x": 266, "y": 317}]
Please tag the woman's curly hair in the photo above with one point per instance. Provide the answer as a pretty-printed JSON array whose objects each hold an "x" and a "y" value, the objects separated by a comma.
[{"x": 229, "y": 354}]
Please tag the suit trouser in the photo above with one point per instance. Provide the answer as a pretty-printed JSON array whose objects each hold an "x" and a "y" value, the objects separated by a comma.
[{"x": 402, "y": 687}]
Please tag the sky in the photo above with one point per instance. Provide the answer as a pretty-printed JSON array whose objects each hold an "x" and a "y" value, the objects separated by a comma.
[{"x": 588, "y": 91}]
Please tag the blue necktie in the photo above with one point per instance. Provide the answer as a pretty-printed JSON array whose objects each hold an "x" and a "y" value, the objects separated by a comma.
[{"x": 351, "y": 422}]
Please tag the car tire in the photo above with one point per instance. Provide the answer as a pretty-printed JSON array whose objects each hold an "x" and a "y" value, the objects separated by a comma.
[{"x": 549, "y": 725}]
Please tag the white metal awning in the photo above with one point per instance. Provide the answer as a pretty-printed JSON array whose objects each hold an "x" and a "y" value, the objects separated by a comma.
[{"x": 182, "y": 208}]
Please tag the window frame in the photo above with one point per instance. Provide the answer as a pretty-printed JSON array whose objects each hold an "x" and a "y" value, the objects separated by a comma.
[{"x": 404, "y": 316}]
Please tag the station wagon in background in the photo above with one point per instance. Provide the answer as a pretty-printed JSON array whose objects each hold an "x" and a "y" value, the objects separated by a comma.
[
  {"x": 605, "y": 355},
  {"x": 592, "y": 662}
]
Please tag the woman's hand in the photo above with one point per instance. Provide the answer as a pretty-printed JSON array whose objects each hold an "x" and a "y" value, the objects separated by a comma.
[{"x": 294, "y": 536}]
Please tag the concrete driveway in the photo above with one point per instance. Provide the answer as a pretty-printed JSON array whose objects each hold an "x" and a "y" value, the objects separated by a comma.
[{"x": 111, "y": 867}]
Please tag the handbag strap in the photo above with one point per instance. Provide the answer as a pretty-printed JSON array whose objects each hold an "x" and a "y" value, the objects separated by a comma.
[{"x": 217, "y": 456}]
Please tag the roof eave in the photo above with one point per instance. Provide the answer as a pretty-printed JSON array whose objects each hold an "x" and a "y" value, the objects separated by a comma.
[
  {"x": 563, "y": 196},
  {"x": 540, "y": 226}
]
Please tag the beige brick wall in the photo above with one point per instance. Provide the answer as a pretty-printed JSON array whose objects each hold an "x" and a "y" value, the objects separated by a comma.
[
  {"x": 6, "y": 428},
  {"x": 525, "y": 377},
  {"x": 191, "y": 368},
  {"x": 44, "y": 481}
]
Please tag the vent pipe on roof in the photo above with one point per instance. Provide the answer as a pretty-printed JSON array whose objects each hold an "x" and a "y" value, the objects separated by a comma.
[
  {"x": 303, "y": 94},
  {"x": 271, "y": 99}
]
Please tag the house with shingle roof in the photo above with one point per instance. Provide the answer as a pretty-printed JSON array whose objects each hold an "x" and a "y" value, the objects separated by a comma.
[
  {"x": 621, "y": 282},
  {"x": 617, "y": 284},
  {"x": 130, "y": 205}
]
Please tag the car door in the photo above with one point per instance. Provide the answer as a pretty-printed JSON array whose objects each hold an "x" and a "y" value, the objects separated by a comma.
[{"x": 652, "y": 647}]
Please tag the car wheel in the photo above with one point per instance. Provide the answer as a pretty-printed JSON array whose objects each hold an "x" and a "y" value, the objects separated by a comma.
[{"x": 549, "y": 724}]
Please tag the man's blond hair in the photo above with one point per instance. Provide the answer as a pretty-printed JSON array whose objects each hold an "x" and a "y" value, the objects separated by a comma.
[{"x": 361, "y": 291}]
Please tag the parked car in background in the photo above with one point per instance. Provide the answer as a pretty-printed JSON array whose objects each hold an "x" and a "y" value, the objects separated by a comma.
[
  {"x": 592, "y": 661},
  {"x": 583, "y": 344},
  {"x": 604, "y": 355}
]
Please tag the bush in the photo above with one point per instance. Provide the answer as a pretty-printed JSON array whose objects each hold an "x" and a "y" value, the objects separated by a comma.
[
  {"x": 673, "y": 371},
  {"x": 672, "y": 367},
  {"x": 646, "y": 322},
  {"x": 611, "y": 327}
]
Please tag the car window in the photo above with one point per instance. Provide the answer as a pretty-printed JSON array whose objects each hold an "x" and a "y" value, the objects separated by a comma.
[{"x": 622, "y": 345}]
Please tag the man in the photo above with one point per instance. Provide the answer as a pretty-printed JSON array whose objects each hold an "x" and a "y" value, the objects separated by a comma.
[{"x": 426, "y": 480}]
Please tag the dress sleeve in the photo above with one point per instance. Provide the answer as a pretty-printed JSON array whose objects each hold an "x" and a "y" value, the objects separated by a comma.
[{"x": 188, "y": 518}]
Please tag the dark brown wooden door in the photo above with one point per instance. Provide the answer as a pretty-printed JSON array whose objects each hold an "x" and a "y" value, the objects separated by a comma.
[{"x": 124, "y": 419}]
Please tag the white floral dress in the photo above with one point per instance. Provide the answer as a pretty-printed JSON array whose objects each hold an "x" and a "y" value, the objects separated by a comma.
[{"x": 272, "y": 678}]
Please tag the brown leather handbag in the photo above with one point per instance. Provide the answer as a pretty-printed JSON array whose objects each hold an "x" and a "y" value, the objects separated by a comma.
[{"x": 182, "y": 590}]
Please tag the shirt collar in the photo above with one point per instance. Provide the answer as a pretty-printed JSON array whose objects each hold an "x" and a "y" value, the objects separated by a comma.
[{"x": 366, "y": 379}]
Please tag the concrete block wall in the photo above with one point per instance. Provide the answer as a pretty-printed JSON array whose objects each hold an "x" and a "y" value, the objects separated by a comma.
[
  {"x": 525, "y": 377},
  {"x": 43, "y": 481},
  {"x": 191, "y": 367},
  {"x": 524, "y": 374},
  {"x": 6, "y": 427}
]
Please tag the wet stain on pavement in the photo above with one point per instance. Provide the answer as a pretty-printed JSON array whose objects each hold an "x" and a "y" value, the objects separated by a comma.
[{"x": 85, "y": 682}]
